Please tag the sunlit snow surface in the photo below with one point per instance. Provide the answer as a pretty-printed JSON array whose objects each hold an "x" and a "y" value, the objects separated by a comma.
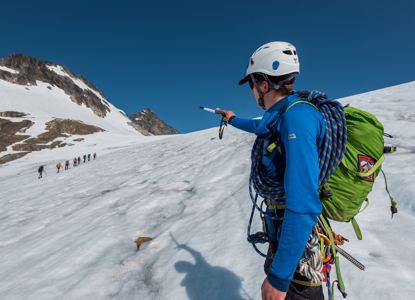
[
  {"x": 70, "y": 235},
  {"x": 9, "y": 70}
]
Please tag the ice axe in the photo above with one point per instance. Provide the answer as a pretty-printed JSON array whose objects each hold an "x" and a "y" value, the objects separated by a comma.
[
  {"x": 223, "y": 123},
  {"x": 217, "y": 111},
  {"x": 174, "y": 240}
]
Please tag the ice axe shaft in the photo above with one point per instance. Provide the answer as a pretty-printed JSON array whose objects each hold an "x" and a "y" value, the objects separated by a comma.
[
  {"x": 346, "y": 255},
  {"x": 217, "y": 111},
  {"x": 350, "y": 258}
]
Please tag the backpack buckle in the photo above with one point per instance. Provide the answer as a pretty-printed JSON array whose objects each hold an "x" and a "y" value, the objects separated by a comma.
[
  {"x": 326, "y": 194},
  {"x": 394, "y": 210},
  {"x": 389, "y": 149}
]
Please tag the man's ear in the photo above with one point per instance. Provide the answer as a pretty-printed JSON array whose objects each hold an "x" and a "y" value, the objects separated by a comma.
[{"x": 266, "y": 86}]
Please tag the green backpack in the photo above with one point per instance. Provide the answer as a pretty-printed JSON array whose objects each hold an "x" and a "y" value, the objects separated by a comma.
[
  {"x": 352, "y": 181},
  {"x": 347, "y": 189}
]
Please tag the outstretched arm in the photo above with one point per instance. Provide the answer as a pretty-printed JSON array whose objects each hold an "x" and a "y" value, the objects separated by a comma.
[
  {"x": 198, "y": 257},
  {"x": 249, "y": 125}
]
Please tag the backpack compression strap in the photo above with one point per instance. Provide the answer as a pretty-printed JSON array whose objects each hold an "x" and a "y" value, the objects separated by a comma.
[{"x": 376, "y": 166}]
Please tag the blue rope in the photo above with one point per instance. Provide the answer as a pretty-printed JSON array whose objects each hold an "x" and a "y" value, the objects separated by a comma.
[
  {"x": 259, "y": 237},
  {"x": 329, "y": 156},
  {"x": 328, "y": 280}
]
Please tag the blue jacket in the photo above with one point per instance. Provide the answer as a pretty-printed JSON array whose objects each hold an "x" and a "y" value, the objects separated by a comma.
[{"x": 300, "y": 132}]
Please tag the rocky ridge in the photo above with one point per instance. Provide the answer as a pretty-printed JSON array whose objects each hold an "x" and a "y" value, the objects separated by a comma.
[
  {"x": 150, "y": 122},
  {"x": 28, "y": 70}
]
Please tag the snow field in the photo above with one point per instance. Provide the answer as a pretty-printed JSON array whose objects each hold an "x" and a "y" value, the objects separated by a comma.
[
  {"x": 89, "y": 217},
  {"x": 71, "y": 235}
]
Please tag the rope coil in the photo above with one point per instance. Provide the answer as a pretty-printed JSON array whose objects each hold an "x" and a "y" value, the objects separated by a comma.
[{"x": 311, "y": 264}]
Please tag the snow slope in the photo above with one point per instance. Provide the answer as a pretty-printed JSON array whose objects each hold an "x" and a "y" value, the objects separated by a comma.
[
  {"x": 70, "y": 235},
  {"x": 45, "y": 102}
]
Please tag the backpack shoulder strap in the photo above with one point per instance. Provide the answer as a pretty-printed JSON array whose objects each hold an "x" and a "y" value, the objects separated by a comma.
[
  {"x": 300, "y": 101},
  {"x": 276, "y": 144}
]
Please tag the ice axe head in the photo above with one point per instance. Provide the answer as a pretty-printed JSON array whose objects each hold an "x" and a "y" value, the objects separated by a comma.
[{"x": 219, "y": 111}]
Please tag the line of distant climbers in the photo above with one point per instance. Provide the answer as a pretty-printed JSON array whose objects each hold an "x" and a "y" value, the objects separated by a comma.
[{"x": 59, "y": 165}]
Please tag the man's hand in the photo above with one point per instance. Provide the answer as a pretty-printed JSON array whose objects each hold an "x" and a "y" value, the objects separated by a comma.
[
  {"x": 271, "y": 293},
  {"x": 228, "y": 114}
]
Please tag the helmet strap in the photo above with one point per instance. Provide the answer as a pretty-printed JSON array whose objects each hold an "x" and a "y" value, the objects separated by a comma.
[
  {"x": 272, "y": 85},
  {"x": 260, "y": 94},
  {"x": 277, "y": 86}
]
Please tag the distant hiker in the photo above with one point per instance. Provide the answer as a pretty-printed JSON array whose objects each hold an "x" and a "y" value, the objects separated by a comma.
[
  {"x": 79, "y": 160},
  {"x": 58, "y": 166},
  {"x": 95, "y": 155},
  {"x": 74, "y": 162},
  {"x": 89, "y": 157},
  {"x": 67, "y": 165},
  {"x": 41, "y": 170},
  {"x": 84, "y": 158},
  {"x": 293, "y": 168}
]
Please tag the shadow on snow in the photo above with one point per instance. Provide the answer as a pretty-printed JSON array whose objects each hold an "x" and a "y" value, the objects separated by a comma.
[{"x": 203, "y": 281}]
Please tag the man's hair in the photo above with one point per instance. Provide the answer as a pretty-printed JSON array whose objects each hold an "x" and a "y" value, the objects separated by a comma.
[{"x": 285, "y": 89}]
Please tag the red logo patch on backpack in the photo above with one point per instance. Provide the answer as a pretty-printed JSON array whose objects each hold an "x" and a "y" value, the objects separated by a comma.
[{"x": 365, "y": 164}]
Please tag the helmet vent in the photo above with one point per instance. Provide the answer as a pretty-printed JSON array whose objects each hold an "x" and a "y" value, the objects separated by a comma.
[{"x": 287, "y": 52}]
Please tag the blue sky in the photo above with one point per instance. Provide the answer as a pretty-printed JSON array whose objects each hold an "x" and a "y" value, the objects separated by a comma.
[{"x": 174, "y": 56}]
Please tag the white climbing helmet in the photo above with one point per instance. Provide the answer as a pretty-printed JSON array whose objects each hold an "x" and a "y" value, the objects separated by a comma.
[{"x": 274, "y": 59}]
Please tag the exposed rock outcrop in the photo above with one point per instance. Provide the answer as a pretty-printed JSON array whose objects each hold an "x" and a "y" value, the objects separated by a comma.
[
  {"x": 10, "y": 157},
  {"x": 56, "y": 128},
  {"x": 30, "y": 145},
  {"x": 71, "y": 127},
  {"x": 8, "y": 130},
  {"x": 150, "y": 122},
  {"x": 139, "y": 129},
  {"x": 12, "y": 114}
]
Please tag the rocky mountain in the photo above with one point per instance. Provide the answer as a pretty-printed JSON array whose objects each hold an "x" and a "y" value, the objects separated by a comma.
[
  {"x": 26, "y": 71},
  {"x": 149, "y": 121},
  {"x": 45, "y": 106}
]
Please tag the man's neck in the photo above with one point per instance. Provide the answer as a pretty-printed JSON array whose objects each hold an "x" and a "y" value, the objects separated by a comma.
[{"x": 273, "y": 97}]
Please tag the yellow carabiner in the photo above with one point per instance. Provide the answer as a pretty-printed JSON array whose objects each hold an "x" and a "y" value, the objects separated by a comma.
[
  {"x": 325, "y": 238},
  {"x": 327, "y": 242}
]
